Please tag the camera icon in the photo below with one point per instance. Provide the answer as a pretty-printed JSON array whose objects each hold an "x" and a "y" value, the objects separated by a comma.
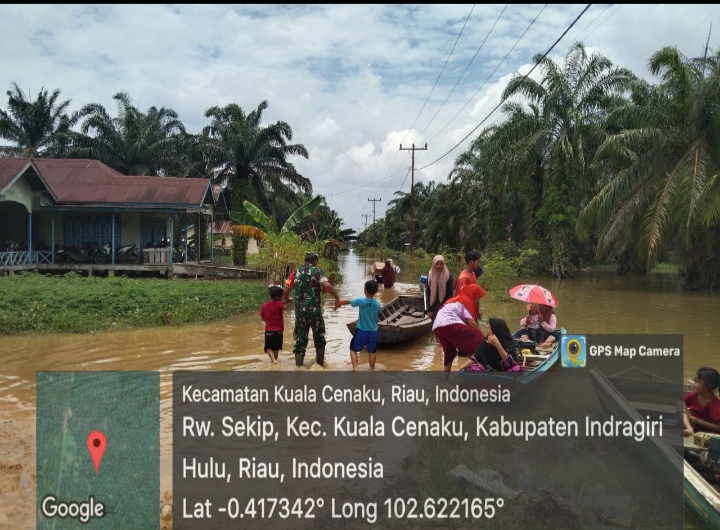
[{"x": 573, "y": 351}]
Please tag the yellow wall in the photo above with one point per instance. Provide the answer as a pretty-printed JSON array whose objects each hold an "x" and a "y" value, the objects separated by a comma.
[{"x": 20, "y": 192}]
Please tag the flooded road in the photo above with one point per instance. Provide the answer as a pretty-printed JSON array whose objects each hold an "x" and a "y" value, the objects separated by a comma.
[{"x": 590, "y": 303}]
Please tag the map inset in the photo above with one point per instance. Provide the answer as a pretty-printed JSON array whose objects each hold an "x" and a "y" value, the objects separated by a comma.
[{"x": 98, "y": 450}]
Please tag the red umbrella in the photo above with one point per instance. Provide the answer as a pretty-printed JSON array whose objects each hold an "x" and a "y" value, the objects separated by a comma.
[{"x": 533, "y": 294}]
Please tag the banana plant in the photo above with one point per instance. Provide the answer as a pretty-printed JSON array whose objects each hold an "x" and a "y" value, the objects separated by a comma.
[{"x": 254, "y": 223}]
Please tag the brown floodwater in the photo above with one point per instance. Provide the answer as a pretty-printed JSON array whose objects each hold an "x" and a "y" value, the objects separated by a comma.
[{"x": 589, "y": 303}]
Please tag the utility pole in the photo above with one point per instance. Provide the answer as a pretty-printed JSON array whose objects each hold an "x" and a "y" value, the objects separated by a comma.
[
  {"x": 366, "y": 215},
  {"x": 374, "y": 201},
  {"x": 412, "y": 192}
]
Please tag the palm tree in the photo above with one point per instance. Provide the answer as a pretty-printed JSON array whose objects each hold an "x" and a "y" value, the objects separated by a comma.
[
  {"x": 133, "y": 143},
  {"x": 503, "y": 175},
  {"x": 666, "y": 167},
  {"x": 571, "y": 104},
  {"x": 253, "y": 158},
  {"x": 39, "y": 128}
]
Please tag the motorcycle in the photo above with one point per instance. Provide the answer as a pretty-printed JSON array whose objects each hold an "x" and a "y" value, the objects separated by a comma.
[
  {"x": 76, "y": 254},
  {"x": 11, "y": 246},
  {"x": 125, "y": 254},
  {"x": 179, "y": 254},
  {"x": 95, "y": 252}
]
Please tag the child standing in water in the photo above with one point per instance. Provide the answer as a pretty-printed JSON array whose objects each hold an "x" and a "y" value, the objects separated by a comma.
[
  {"x": 272, "y": 314},
  {"x": 366, "y": 333}
]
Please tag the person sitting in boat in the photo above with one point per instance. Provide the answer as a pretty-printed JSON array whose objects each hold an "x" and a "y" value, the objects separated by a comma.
[
  {"x": 494, "y": 354},
  {"x": 439, "y": 286},
  {"x": 530, "y": 324},
  {"x": 702, "y": 405},
  {"x": 456, "y": 327},
  {"x": 548, "y": 327},
  {"x": 388, "y": 274}
]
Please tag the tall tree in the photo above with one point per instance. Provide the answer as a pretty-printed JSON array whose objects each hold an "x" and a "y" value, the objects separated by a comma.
[
  {"x": 254, "y": 160},
  {"x": 666, "y": 167},
  {"x": 39, "y": 128},
  {"x": 572, "y": 101},
  {"x": 133, "y": 143}
]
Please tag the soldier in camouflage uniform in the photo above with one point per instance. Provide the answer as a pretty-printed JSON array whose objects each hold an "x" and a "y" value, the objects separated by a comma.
[{"x": 309, "y": 281}]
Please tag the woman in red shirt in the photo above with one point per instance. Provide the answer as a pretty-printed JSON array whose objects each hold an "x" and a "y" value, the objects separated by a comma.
[{"x": 702, "y": 406}]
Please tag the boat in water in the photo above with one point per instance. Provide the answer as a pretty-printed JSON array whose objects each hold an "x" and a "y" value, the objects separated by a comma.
[
  {"x": 634, "y": 393},
  {"x": 535, "y": 363},
  {"x": 401, "y": 320}
]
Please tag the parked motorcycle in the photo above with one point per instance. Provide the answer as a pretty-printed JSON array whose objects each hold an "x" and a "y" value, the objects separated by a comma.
[
  {"x": 179, "y": 254},
  {"x": 126, "y": 254},
  {"x": 11, "y": 246},
  {"x": 96, "y": 253},
  {"x": 76, "y": 254}
]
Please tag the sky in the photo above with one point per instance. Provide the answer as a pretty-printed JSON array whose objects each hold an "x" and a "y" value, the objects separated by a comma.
[{"x": 354, "y": 82}]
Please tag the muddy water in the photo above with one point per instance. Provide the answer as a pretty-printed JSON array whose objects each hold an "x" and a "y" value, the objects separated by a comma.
[{"x": 590, "y": 303}]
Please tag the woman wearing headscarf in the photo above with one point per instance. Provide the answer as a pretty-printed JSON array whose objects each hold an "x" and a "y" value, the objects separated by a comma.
[
  {"x": 439, "y": 285},
  {"x": 388, "y": 274},
  {"x": 494, "y": 353},
  {"x": 456, "y": 327}
]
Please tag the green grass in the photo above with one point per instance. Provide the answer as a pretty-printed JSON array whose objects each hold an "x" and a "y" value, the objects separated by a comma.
[{"x": 31, "y": 302}]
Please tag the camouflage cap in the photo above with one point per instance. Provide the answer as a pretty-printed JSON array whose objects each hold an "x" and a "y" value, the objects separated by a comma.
[{"x": 311, "y": 257}]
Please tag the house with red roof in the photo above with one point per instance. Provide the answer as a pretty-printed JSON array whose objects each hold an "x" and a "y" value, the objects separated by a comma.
[{"x": 47, "y": 203}]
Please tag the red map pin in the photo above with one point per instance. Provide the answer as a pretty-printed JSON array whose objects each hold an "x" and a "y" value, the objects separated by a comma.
[{"x": 96, "y": 444}]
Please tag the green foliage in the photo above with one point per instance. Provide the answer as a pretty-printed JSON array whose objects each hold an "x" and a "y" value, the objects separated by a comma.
[
  {"x": 504, "y": 262},
  {"x": 239, "y": 250},
  {"x": 256, "y": 218},
  {"x": 31, "y": 302},
  {"x": 280, "y": 253},
  {"x": 534, "y": 259},
  {"x": 500, "y": 274},
  {"x": 302, "y": 213}
]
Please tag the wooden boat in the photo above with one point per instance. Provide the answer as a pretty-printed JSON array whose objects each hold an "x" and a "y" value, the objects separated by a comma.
[
  {"x": 401, "y": 320},
  {"x": 621, "y": 395},
  {"x": 534, "y": 363}
]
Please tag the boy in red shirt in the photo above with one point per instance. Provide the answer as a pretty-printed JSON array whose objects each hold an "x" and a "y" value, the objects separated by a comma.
[
  {"x": 272, "y": 314},
  {"x": 471, "y": 272},
  {"x": 702, "y": 406}
]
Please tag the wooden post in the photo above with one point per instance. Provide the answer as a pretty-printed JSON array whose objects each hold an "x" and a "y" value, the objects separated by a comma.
[{"x": 52, "y": 238}]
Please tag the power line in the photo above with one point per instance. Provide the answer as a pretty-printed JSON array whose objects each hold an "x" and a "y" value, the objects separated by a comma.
[
  {"x": 433, "y": 88},
  {"x": 483, "y": 120},
  {"x": 603, "y": 22},
  {"x": 363, "y": 185},
  {"x": 466, "y": 69},
  {"x": 586, "y": 27},
  {"x": 446, "y": 62},
  {"x": 502, "y": 100},
  {"x": 491, "y": 73}
]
